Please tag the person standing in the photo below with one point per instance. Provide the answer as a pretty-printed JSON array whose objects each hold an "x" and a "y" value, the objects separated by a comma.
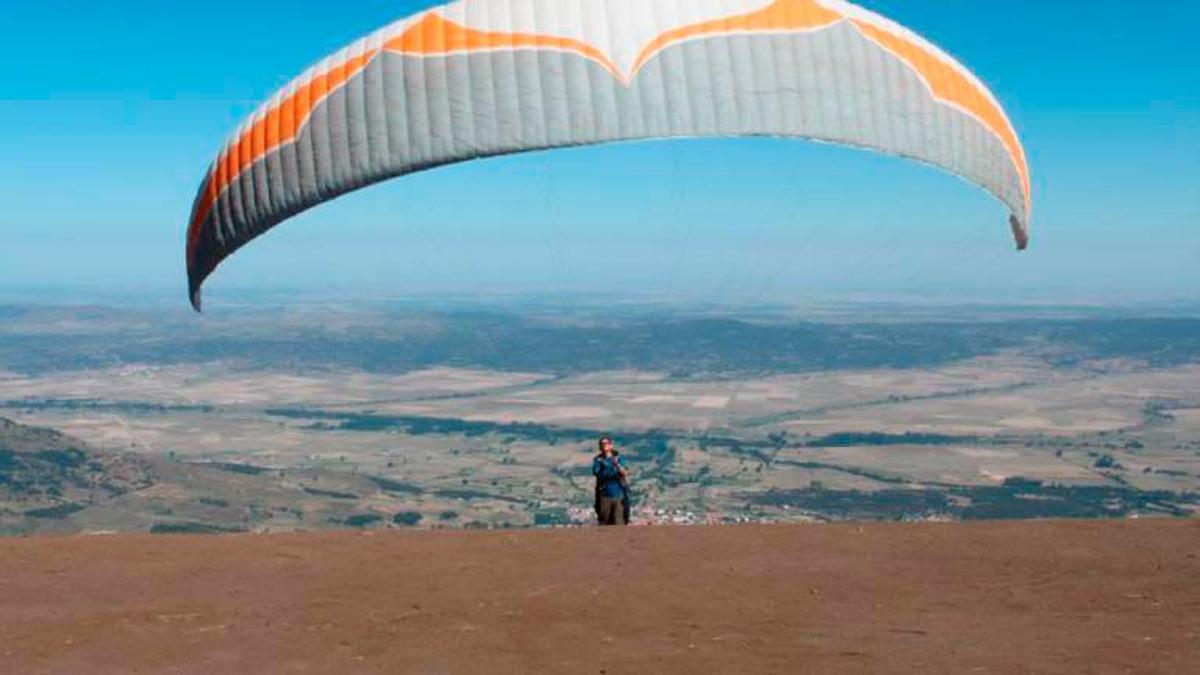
[{"x": 610, "y": 485}]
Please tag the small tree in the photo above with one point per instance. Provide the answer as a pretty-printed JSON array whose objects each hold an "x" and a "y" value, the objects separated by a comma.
[{"x": 407, "y": 518}]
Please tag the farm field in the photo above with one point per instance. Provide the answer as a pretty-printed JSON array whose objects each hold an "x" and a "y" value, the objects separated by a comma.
[{"x": 990, "y": 420}]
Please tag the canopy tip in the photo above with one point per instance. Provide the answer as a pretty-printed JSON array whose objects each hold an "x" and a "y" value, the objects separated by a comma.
[{"x": 1020, "y": 232}]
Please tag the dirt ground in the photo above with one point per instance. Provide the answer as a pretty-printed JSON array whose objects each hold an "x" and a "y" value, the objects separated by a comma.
[{"x": 1022, "y": 597}]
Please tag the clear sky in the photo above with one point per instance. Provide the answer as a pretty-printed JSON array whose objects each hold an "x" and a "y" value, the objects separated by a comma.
[{"x": 111, "y": 111}]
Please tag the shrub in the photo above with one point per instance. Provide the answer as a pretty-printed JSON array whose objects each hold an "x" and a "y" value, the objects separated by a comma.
[
  {"x": 407, "y": 518},
  {"x": 362, "y": 519}
]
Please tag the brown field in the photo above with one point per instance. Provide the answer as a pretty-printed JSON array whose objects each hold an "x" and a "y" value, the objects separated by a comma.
[{"x": 1041, "y": 597}]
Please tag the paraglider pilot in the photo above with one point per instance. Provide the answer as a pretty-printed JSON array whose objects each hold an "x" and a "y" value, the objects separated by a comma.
[{"x": 611, "y": 494}]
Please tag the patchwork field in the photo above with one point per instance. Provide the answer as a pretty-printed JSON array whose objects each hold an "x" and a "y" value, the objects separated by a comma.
[{"x": 1014, "y": 432}]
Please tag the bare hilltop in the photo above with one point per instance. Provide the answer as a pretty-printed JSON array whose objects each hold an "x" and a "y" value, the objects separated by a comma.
[{"x": 1115, "y": 596}]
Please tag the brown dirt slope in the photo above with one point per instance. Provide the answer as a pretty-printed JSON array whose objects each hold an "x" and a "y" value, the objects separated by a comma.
[{"x": 1042, "y": 597}]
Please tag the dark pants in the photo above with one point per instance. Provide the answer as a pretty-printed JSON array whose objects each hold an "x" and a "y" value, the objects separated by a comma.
[
  {"x": 627, "y": 506},
  {"x": 612, "y": 511}
]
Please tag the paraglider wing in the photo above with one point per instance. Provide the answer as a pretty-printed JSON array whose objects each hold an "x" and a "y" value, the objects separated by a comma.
[{"x": 478, "y": 78}]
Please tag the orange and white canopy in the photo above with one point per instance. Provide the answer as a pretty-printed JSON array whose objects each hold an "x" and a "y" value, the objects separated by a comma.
[{"x": 479, "y": 78}]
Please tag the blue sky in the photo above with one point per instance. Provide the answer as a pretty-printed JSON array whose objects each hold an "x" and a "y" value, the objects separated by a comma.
[{"x": 111, "y": 112}]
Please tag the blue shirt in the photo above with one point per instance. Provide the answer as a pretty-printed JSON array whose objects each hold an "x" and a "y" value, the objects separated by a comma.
[{"x": 606, "y": 470}]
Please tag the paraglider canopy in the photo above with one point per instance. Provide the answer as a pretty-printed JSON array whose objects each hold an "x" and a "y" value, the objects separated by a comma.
[{"x": 480, "y": 78}]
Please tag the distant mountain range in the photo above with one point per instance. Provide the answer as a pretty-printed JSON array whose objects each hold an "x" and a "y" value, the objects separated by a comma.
[{"x": 40, "y": 340}]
